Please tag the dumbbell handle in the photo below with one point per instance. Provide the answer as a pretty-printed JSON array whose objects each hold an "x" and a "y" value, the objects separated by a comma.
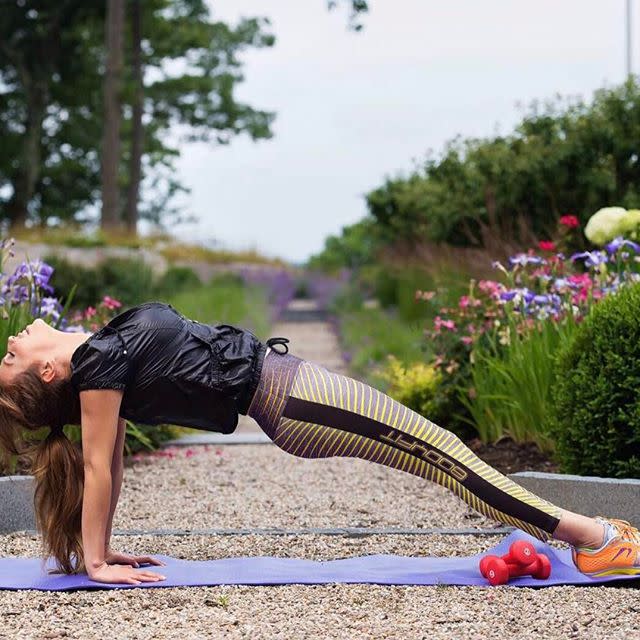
[{"x": 524, "y": 570}]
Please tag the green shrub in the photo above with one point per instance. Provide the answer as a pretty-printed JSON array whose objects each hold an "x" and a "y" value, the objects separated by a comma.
[
  {"x": 129, "y": 280},
  {"x": 414, "y": 385},
  {"x": 176, "y": 279},
  {"x": 66, "y": 275},
  {"x": 595, "y": 416},
  {"x": 227, "y": 278}
]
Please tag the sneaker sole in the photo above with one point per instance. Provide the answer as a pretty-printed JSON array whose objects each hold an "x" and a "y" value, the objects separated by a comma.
[{"x": 631, "y": 571}]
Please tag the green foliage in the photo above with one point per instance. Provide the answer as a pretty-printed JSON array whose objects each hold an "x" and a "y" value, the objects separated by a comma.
[
  {"x": 138, "y": 437},
  {"x": 67, "y": 275},
  {"x": 225, "y": 300},
  {"x": 370, "y": 335},
  {"x": 125, "y": 279},
  {"x": 129, "y": 280},
  {"x": 176, "y": 279},
  {"x": 595, "y": 419},
  {"x": 511, "y": 379},
  {"x": 562, "y": 158},
  {"x": 357, "y": 245},
  {"x": 414, "y": 385}
]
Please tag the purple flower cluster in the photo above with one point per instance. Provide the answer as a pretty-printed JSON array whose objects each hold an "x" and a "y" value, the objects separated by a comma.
[
  {"x": 26, "y": 285},
  {"x": 551, "y": 287},
  {"x": 279, "y": 283},
  {"x": 324, "y": 288},
  {"x": 534, "y": 289}
]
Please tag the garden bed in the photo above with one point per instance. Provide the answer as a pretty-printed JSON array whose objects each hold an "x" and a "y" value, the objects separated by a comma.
[{"x": 508, "y": 456}]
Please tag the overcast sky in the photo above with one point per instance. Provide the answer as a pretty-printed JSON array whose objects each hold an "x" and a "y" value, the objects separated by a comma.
[{"x": 353, "y": 108}]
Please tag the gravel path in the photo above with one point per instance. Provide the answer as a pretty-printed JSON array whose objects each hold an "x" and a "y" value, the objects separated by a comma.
[{"x": 260, "y": 486}]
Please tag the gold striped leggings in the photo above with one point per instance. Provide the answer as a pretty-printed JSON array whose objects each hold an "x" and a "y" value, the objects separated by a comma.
[{"x": 312, "y": 412}]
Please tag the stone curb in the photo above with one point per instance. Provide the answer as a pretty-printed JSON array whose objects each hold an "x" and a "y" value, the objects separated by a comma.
[
  {"x": 16, "y": 503},
  {"x": 239, "y": 438},
  {"x": 587, "y": 495}
]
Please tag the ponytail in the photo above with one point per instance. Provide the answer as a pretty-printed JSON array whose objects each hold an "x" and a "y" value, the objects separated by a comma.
[{"x": 27, "y": 405}]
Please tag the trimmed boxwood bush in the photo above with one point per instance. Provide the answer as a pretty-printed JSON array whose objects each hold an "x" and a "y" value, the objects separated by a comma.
[{"x": 595, "y": 416}]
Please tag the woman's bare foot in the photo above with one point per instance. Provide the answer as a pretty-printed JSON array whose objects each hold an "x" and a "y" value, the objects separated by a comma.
[{"x": 579, "y": 531}]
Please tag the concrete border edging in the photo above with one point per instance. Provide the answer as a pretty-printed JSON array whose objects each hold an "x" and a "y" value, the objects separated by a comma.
[
  {"x": 587, "y": 495},
  {"x": 16, "y": 503},
  {"x": 220, "y": 438}
]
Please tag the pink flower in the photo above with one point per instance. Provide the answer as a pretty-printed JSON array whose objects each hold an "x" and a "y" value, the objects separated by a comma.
[
  {"x": 424, "y": 295},
  {"x": 464, "y": 302},
  {"x": 489, "y": 287},
  {"x": 90, "y": 312},
  {"x": 547, "y": 245},
  {"x": 111, "y": 303},
  {"x": 569, "y": 221},
  {"x": 467, "y": 339},
  {"x": 189, "y": 452},
  {"x": 581, "y": 279},
  {"x": 447, "y": 324}
]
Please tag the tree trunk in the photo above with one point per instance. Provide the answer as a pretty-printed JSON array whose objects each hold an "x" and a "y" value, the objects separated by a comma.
[
  {"x": 112, "y": 116},
  {"x": 26, "y": 176},
  {"x": 137, "y": 128}
]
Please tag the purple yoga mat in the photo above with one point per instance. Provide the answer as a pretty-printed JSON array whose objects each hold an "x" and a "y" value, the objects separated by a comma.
[{"x": 25, "y": 573}]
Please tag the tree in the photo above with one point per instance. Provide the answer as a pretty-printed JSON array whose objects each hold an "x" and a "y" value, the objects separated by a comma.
[
  {"x": 39, "y": 47},
  {"x": 112, "y": 115},
  {"x": 137, "y": 127},
  {"x": 198, "y": 101},
  {"x": 52, "y": 59}
]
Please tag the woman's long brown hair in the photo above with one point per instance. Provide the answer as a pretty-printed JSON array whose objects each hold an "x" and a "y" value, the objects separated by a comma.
[{"x": 27, "y": 405}]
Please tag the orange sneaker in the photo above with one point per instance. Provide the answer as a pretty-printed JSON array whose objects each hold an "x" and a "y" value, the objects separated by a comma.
[{"x": 621, "y": 553}]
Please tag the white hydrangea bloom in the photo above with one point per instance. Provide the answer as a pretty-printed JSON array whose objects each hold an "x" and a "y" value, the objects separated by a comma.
[
  {"x": 630, "y": 223},
  {"x": 604, "y": 225}
]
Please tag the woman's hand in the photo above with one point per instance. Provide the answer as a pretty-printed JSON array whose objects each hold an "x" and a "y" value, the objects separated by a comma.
[
  {"x": 115, "y": 557},
  {"x": 122, "y": 574}
]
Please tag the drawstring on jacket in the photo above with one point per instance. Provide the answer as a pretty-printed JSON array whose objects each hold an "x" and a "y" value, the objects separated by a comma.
[
  {"x": 281, "y": 341},
  {"x": 124, "y": 344}
]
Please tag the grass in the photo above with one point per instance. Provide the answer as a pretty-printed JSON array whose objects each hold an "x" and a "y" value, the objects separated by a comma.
[
  {"x": 513, "y": 385},
  {"x": 225, "y": 301},
  {"x": 370, "y": 335}
]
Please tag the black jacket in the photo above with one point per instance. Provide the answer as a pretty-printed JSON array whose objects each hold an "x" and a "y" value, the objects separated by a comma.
[{"x": 172, "y": 369}]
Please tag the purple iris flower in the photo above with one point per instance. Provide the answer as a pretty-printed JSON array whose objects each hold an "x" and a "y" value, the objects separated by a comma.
[
  {"x": 592, "y": 258},
  {"x": 36, "y": 269},
  {"x": 524, "y": 259},
  {"x": 618, "y": 242}
]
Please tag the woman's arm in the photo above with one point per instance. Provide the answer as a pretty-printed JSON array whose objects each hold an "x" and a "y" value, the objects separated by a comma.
[
  {"x": 117, "y": 472},
  {"x": 99, "y": 418}
]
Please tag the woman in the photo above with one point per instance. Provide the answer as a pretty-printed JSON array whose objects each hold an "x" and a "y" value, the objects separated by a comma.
[{"x": 153, "y": 365}]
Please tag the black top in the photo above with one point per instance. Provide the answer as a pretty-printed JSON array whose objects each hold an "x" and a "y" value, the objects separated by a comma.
[{"x": 172, "y": 369}]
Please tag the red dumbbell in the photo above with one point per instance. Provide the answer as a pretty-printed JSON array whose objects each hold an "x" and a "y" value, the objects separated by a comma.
[
  {"x": 521, "y": 559},
  {"x": 520, "y": 552}
]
